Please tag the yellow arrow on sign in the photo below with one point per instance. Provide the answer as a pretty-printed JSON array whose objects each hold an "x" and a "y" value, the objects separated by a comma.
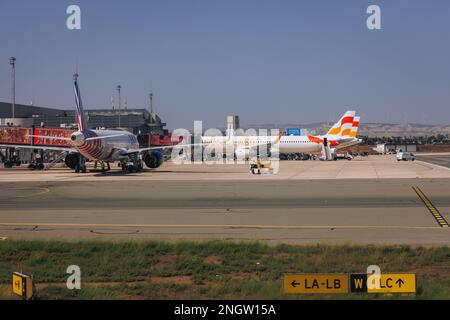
[
  {"x": 316, "y": 283},
  {"x": 394, "y": 282}
]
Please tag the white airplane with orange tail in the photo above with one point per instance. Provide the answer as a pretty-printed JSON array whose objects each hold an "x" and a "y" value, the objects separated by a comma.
[{"x": 342, "y": 134}]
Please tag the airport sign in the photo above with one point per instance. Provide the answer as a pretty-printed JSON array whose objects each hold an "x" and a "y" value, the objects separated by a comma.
[
  {"x": 392, "y": 283},
  {"x": 353, "y": 283},
  {"x": 17, "y": 284},
  {"x": 316, "y": 283},
  {"x": 383, "y": 283},
  {"x": 22, "y": 285},
  {"x": 293, "y": 132},
  {"x": 358, "y": 282}
]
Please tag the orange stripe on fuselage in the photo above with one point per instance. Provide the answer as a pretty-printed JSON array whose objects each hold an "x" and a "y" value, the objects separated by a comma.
[
  {"x": 319, "y": 141},
  {"x": 315, "y": 139}
]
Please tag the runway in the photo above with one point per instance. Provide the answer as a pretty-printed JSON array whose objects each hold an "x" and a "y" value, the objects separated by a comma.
[
  {"x": 440, "y": 159},
  {"x": 353, "y": 211}
]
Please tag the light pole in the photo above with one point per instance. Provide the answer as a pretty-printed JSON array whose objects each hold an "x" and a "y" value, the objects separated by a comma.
[
  {"x": 151, "y": 102},
  {"x": 12, "y": 62},
  {"x": 120, "y": 100}
]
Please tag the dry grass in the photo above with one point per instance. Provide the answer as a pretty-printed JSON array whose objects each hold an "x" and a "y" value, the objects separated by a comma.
[{"x": 208, "y": 270}]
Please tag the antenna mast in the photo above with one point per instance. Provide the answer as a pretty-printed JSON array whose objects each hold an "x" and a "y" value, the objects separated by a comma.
[{"x": 120, "y": 102}]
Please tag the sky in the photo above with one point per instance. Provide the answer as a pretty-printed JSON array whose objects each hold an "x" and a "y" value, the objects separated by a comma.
[{"x": 266, "y": 61}]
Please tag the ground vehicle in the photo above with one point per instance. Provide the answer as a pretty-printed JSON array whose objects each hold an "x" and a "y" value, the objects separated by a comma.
[
  {"x": 346, "y": 156},
  {"x": 14, "y": 160},
  {"x": 405, "y": 156},
  {"x": 259, "y": 167}
]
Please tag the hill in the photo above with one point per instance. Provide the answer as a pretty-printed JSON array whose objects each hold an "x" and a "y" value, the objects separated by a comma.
[{"x": 366, "y": 129}]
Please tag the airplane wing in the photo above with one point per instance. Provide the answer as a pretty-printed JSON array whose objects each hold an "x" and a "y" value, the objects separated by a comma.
[
  {"x": 130, "y": 151},
  {"x": 19, "y": 146},
  {"x": 256, "y": 145}
]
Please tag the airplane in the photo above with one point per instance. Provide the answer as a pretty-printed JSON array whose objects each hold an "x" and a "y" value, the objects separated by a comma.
[
  {"x": 104, "y": 146},
  {"x": 341, "y": 134}
]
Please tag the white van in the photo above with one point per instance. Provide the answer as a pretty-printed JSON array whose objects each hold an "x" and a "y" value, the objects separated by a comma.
[{"x": 405, "y": 156}]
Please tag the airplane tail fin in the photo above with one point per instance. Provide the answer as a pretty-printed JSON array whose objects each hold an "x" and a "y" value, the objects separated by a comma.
[
  {"x": 81, "y": 118},
  {"x": 343, "y": 127}
]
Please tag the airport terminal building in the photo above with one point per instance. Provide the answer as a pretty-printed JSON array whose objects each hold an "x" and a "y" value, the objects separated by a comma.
[{"x": 138, "y": 121}]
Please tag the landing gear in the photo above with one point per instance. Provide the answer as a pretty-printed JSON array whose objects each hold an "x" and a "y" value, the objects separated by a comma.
[
  {"x": 134, "y": 164},
  {"x": 104, "y": 166},
  {"x": 128, "y": 167}
]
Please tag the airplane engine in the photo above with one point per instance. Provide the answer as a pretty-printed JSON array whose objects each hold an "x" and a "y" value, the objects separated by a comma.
[
  {"x": 72, "y": 160},
  {"x": 153, "y": 159}
]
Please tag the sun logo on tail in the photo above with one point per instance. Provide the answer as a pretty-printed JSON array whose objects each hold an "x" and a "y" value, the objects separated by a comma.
[{"x": 343, "y": 127}]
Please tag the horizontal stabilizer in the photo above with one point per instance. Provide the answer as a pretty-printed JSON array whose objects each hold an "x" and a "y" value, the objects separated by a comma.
[{"x": 48, "y": 137}]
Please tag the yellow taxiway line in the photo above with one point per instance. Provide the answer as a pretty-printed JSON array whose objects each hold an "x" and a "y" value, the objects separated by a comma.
[{"x": 430, "y": 206}]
